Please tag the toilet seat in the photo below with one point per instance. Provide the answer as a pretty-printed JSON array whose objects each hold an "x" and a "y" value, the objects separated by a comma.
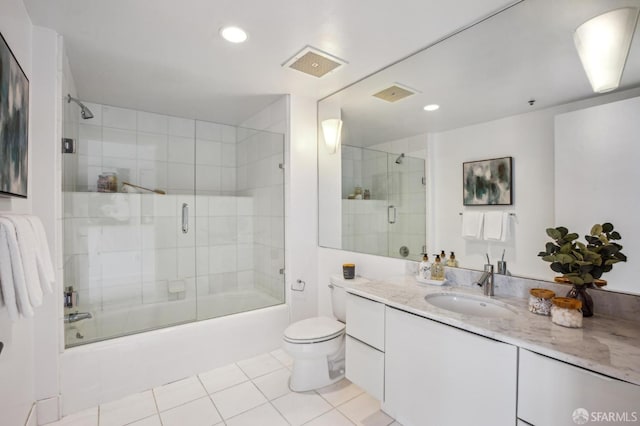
[{"x": 313, "y": 330}]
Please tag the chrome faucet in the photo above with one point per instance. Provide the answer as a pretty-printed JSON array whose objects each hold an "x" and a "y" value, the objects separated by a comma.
[
  {"x": 486, "y": 280},
  {"x": 77, "y": 316}
]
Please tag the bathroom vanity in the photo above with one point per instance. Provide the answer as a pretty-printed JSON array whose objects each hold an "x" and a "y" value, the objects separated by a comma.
[{"x": 429, "y": 365}]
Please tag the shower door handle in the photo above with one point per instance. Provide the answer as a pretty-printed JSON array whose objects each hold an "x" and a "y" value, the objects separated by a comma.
[
  {"x": 185, "y": 218},
  {"x": 391, "y": 209}
]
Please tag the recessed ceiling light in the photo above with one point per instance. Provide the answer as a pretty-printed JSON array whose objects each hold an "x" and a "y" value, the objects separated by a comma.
[
  {"x": 233, "y": 34},
  {"x": 431, "y": 107}
]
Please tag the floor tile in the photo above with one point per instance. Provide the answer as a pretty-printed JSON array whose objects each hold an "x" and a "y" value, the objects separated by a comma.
[
  {"x": 379, "y": 418},
  {"x": 83, "y": 418},
  {"x": 222, "y": 378},
  {"x": 200, "y": 412},
  {"x": 259, "y": 365},
  {"x": 275, "y": 384},
  {"x": 237, "y": 399},
  {"x": 127, "y": 410},
  {"x": 360, "y": 408},
  {"x": 283, "y": 357},
  {"x": 264, "y": 415},
  {"x": 298, "y": 408},
  {"x": 178, "y": 393},
  {"x": 339, "y": 392},
  {"x": 148, "y": 421},
  {"x": 332, "y": 418}
]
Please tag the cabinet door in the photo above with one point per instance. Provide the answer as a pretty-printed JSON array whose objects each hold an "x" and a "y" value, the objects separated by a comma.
[
  {"x": 365, "y": 320},
  {"x": 562, "y": 389},
  {"x": 439, "y": 375},
  {"x": 365, "y": 367}
]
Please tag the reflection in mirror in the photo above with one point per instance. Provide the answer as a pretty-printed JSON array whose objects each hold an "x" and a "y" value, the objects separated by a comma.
[
  {"x": 510, "y": 86},
  {"x": 383, "y": 203}
]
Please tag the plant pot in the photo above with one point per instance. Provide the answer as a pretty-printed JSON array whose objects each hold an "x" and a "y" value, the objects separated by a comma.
[{"x": 579, "y": 292}]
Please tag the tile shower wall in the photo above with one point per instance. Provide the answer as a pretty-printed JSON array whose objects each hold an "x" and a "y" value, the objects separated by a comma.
[{"x": 152, "y": 150}]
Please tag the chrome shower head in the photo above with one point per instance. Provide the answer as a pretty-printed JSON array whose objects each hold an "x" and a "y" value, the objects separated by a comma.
[
  {"x": 399, "y": 159},
  {"x": 84, "y": 111}
]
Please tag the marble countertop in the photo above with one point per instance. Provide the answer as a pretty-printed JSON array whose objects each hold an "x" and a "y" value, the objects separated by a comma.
[{"x": 606, "y": 345}]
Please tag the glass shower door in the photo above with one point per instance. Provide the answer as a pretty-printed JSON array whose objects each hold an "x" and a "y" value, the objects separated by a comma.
[{"x": 407, "y": 206}]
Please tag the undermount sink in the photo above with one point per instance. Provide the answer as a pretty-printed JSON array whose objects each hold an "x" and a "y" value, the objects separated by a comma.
[{"x": 467, "y": 304}]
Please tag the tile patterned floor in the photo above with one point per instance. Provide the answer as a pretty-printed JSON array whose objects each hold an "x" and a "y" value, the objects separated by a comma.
[{"x": 253, "y": 392}]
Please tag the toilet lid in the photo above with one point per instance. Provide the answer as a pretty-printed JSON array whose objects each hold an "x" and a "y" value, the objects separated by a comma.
[{"x": 314, "y": 329}]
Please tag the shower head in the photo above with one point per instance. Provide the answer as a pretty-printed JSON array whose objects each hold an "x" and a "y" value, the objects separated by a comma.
[
  {"x": 399, "y": 159},
  {"x": 84, "y": 111}
]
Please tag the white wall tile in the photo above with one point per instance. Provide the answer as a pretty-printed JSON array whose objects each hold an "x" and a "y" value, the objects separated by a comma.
[
  {"x": 182, "y": 127},
  {"x": 118, "y": 143},
  {"x": 180, "y": 177},
  {"x": 90, "y": 140},
  {"x": 228, "y": 134},
  {"x": 153, "y": 123},
  {"x": 152, "y": 147},
  {"x": 119, "y": 118},
  {"x": 181, "y": 150},
  {"x": 208, "y": 178},
  {"x": 208, "y": 152},
  {"x": 160, "y": 264},
  {"x": 209, "y": 131}
]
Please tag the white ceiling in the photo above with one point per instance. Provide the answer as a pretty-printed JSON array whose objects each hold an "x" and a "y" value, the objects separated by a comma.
[{"x": 166, "y": 56}]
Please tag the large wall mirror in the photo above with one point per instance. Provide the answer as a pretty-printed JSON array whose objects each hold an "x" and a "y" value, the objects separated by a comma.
[{"x": 513, "y": 86}]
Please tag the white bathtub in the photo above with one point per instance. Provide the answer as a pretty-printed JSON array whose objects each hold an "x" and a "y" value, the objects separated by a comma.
[{"x": 108, "y": 370}]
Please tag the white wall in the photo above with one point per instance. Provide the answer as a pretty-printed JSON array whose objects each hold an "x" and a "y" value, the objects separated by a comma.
[
  {"x": 528, "y": 138},
  {"x": 17, "y": 378},
  {"x": 599, "y": 146}
]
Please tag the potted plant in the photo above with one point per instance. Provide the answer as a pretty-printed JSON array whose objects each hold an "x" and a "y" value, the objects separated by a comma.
[{"x": 583, "y": 264}]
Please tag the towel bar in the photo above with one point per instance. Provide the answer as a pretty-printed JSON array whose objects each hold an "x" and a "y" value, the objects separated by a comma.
[{"x": 510, "y": 214}]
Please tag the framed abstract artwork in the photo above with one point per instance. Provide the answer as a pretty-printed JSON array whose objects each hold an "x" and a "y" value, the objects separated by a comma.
[
  {"x": 14, "y": 124},
  {"x": 488, "y": 182}
]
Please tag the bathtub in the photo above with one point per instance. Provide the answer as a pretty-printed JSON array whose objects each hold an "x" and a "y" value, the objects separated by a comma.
[{"x": 107, "y": 370}]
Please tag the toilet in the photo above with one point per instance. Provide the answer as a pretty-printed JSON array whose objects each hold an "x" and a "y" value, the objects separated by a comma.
[{"x": 317, "y": 344}]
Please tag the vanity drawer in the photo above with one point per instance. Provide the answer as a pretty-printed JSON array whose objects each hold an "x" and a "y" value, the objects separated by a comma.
[
  {"x": 365, "y": 320},
  {"x": 549, "y": 391},
  {"x": 365, "y": 367}
]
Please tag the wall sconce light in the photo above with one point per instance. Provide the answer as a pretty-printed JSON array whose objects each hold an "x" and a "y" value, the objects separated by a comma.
[
  {"x": 603, "y": 45},
  {"x": 332, "y": 130}
]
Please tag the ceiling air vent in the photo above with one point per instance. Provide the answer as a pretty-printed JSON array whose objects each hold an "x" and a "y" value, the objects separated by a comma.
[
  {"x": 314, "y": 62},
  {"x": 394, "y": 93}
]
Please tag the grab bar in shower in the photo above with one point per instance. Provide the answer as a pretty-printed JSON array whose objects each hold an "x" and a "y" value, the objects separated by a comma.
[
  {"x": 185, "y": 218},
  {"x": 391, "y": 209}
]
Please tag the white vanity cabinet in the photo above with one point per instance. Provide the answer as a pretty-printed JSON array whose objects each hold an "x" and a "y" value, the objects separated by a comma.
[
  {"x": 439, "y": 375},
  {"x": 549, "y": 392},
  {"x": 365, "y": 343}
]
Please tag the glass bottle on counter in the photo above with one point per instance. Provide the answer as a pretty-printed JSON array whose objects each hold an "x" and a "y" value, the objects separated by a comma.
[
  {"x": 452, "y": 262},
  {"x": 437, "y": 270},
  {"x": 424, "y": 270}
]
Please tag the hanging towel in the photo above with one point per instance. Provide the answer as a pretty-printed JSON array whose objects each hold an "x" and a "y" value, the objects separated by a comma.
[
  {"x": 472, "y": 223},
  {"x": 43, "y": 256},
  {"x": 496, "y": 226},
  {"x": 27, "y": 245},
  {"x": 17, "y": 271},
  {"x": 6, "y": 277}
]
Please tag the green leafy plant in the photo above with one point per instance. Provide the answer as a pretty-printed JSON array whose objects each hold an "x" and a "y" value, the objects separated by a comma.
[{"x": 583, "y": 263}]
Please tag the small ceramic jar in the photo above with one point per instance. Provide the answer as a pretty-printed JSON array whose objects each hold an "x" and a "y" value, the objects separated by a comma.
[
  {"x": 566, "y": 312},
  {"x": 540, "y": 301}
]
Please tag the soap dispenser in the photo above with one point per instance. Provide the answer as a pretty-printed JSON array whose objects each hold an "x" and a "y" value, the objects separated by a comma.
[
  {"x": 443, "y": 257},
  {"x": 452, "y": 262},
  {"x": 437, "y": 270},
  {"x": 424, "y": 270}
]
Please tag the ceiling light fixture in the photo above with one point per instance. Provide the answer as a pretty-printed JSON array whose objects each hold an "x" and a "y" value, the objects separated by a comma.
[
  {"x": 603, "y": 45},
  {"x": 431, "y": 107},
  {"x": 233, "y": 34},
  {"x": 332, "y": 130}
]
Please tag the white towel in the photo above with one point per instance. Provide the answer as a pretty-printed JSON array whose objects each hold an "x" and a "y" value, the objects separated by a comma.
[
  {"x": 27, "y": 245},
  {"x": 6, "y": 277},
  {"x": 19, "y": 283},
  {"x": 472, "y": 223},
  {"x": 496, "y": 226},
  {"x": 43, "y": 256}
]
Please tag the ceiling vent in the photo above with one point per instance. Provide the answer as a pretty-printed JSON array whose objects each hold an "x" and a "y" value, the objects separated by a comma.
[
  {"x": 395, "y": 93},
  {"x": 314, "y": 62}
]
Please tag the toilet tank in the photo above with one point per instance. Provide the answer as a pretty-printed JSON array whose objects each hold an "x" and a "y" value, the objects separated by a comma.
[{"x": 339, "y": 294}]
